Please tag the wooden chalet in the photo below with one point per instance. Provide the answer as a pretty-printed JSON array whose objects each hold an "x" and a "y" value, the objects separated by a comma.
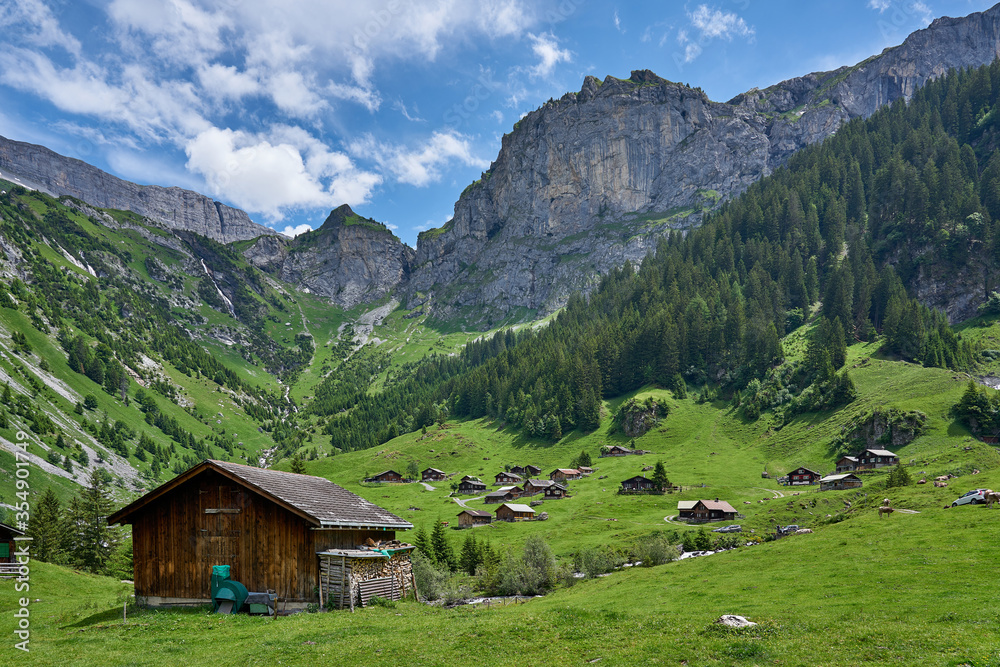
[
  {"x": 530, "y": 470},
  {"x": 564, "y": 474},
  {"x": 700, "y": 511},
  {"x": 502, "y": 495},
  {"x": 518, "y": 470},
  {"x": 471, "y": 485},
  {"x": 586, "y": 470},
  {"x": 840, "y": 482},
  {"x": 556, "y": 491},
  {"x": 8, "y": 544},
  {"x": 847, "y": 464},
  {"x": 432, "y": 475},
  {"x": 268, "y": 526},
  {"x": 617, "y": 450},
  {"x": 507, "y": 478},
  {"x": 803, "y": 476},
  {"x": 386, "y": 477},
  {"x": 638, "y": 484},
  {"x": 870, "y": 459},
  {"x": 514, "y": 512},
  {"x": 471, "y": 518},
  {"x": 535, "y": 486}
]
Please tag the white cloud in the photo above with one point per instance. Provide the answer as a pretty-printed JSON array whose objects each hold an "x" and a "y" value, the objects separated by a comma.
[
  {"x": 286, "y": 170},
  {"x": 618, "y": 23},
  {"x": 292, "y": 232},
  {"x": 880, "y": 5},
  {"x": 36, "y": 24},
  {"x": 419, "y": 166},
  {"x": 391, "y": 226},
  {"x": 926, "y": 15},
  {"x": 712, "y": 24},
  {"x": 401, "y": 108},
  {"x": 498, "y": 115},
  {"x": 227, "y": 82},
  {"x": 180, "y": 31},
  {"x": 546, "y": 48}
]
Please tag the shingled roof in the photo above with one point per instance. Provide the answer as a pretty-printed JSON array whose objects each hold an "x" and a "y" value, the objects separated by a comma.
[{"x": 318, "y": 500}]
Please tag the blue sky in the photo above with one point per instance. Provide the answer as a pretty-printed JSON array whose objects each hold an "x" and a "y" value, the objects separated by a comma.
[{"x": 290, "y": 109}]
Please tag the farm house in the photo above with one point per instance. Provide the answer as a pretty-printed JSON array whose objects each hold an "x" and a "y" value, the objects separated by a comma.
[{"x": 268, "y": 526}]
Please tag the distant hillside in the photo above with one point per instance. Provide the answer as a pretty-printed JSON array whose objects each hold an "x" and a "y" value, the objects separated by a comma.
[{"x": 174, "y": 208}]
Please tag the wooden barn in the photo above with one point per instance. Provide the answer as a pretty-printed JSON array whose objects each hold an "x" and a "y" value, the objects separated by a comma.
[
  {"x": 8, "y": 546},
  {"x": 530, "y": 470},
  {"x": 518, "y": 470},
  {"x": 386, "y": 477},
  {"x": 471, "y": 518},
  {"x": 432, "y": 475},
  {"x": 514, "y": 512},
  {"x": 564, "y": 474},
  {"x": 840, "y": 482},
  {"x": 470, "y": 485},
  {"x": 502, "y": 495},
  {"x": 700, "y": 511},
  {"x": 556, "y": 491},
  {"x": 535, "y": 486},
  {"x": 803, "y": 476},
  {"x": 847, "y": 464},
  {"x": 870, "y": 459},
  {"x": 268, "y": 526},
  {"x": 616, "y": 450},
  {"x": 638, "y": 484},
  {"x": 507, "y": 478}
]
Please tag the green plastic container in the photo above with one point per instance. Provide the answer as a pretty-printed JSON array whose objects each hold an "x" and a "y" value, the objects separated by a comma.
[{"x": 229, "y": 591}]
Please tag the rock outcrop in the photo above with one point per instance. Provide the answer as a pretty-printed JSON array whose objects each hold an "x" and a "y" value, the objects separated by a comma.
[
  {"x": 174, "y": 208},
  {"x": 596, "y": 178},
  {"x": 349, "y": 259}
]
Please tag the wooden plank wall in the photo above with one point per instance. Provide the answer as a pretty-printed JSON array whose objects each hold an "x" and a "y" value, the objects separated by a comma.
[{"x": 176, "y": 543}]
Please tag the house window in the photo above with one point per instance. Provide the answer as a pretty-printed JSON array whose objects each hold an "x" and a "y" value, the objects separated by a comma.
[{"x": 4, "y": 550}]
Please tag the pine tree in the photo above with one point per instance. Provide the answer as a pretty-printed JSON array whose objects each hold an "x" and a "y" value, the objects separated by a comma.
[
  {"x": 91, "y": 539},
  {"x": 660, "y": 481},
  {"x": 297, "y": 465},
  {"x": 47, "y": 528},
  {"x": 423, "y": 543},
  {"x": 471, "y": 555},
  {"x": 444, "y": 556}
]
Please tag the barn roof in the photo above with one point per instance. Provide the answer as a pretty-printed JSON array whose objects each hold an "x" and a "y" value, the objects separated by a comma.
[
  {"x": 717, "y": 505},
  {"x": 540, "y": 482},
  {"x": 517, "y": 508},
  {"x": 433, "y": 470},
  {"x": 12, "y": 529},
  {"x": 637, "y": 478},
  {"x": 686, "y": 504},
  {"x": 475, "y": 513},
  {"x": 318, "y": 500},
  {"x": 806, "y": 469},
  {"x": 879, "y": 452},
  {"x": 837, "y": 478}
]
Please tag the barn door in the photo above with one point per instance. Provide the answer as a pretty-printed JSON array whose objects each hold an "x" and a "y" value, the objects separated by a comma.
[{"x": 219, "y": 540}]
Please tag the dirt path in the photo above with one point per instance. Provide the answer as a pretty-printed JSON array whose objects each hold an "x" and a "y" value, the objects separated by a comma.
[
  {"x": 462, "y": 501},
  {"x": 428, "y": 486},
  {"x": 777, "y": 494}
]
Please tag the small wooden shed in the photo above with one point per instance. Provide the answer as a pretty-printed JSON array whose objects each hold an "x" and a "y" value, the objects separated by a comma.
[
  {"x": 502, "y": 495},
  {"x": 386, "y": 477},
  {"x": 507, "y": 478},
  {"x": 267, "y": 525},
  {"x": 514, "y": 512},
  {"x": 7, "y": 543},
  {"x": 564, "y": 474},
  {"x": 840, "y": 482},
  {"x": 432, "y": 475},
  {"x": 535, "y": 486},
  {"x": 556, "y": 491},
  {"x": 470, "y": 518},
  {"x": 871, "y": 459},
  {"x": 847, "y": 464},
  {"x": 638, "y": 484},
  {"x": 530, "y": 470},
  {"x": 616, "y": 450},
  {"x": 470, "y": 485},
  {"x": 803, "y": 476}
]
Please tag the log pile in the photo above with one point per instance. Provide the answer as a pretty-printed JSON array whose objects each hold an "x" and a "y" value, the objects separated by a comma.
[{"x": 341, "y": 576}]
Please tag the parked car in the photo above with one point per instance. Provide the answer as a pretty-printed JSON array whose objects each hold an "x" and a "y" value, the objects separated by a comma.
[
  {"x": 735, "y": 528},
  {"x": 974, "y": 497}
]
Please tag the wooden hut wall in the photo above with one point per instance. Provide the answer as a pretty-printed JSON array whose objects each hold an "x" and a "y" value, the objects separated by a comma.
[
  {"x": 212, "y": 520},
  {"x": 390, "y": 578}
]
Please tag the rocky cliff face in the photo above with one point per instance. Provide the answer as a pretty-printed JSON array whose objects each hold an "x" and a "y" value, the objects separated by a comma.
[
  {"x": 174, "y": 208},
  {"x": 349, "y": 259},
  {"x": 594, "y": 179}
]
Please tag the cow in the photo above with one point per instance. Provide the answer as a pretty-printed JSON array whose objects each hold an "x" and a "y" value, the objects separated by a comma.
[
  {"x": 885, "y": 502},
  {"x": 884, "y": 510},
  {"x": 990, "y": 497}
]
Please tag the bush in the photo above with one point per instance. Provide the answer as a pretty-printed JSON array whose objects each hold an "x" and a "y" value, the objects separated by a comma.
[
  {"x": 381, "y": 602},
  {"x": 431, "y": 582},
  {"x": 594, "y": 561},
  {"x": 654, "y": 550}
]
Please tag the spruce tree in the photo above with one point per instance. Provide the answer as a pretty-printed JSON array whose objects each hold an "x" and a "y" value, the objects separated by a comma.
[
  {"x": 443, "y": 554},
  {"x": 47, "y": 528},
  {"x": 660, "y": 481}
]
